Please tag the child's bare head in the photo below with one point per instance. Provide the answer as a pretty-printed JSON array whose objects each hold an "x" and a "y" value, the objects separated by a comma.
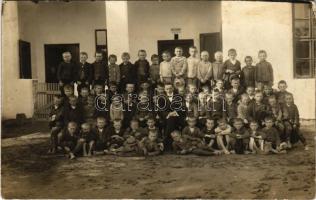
[
  {"x": 250, "y": 90},
  {"x": 166, "y": 56},
  {"x": 130, "y": 87},
  {"x": 134, "y": 124},
  {"x": 144, "y": 85},
  {"x": 85, "y": 127},
  {"x": 72, "y": 127},
  {"x": 168, "y": 88},
  {"x": 142, "y": 54},
  {"x": 176, "y": 135},
  {"x": 160, "y": 88},
  {"x": 267, "y": 89},
  {"x": 117, "y": 124},
  {"x": 272, "y": 100},
  {"x": 67, "y": 56},
  {"x": 178, "y": 51},
  {"x": 152, "y": 135},
  {"x": 232, "y": 53},
  {"x": 253, "y": 125},
  {"x": 222, "y": 123},
  {"x": 235, "y": 82},
  {"x": 219, "y": 84},
  {"x": 192, "y": 88},
  {"x": 73, "y": 101},
  {"x": 101, "y": 122},
  {"x": 258, "y": 96},
  {"x": 210, "y": 123},
  {"x": 238, "y": 123},
  {"x": 113, "y": 86},
  {"x": 193, "y": 51},
  {"x": 154, "y": 59},
  {"x": 248, "y": 60},
  {"x": 244, "y": 99},
  {"x": 289, "y": 99},
  {"x": 268, "y": 121},
  {"x": 262, "y": 55},
  {"x": 68, "y": 90},
  {"x": 84, "y": 92},
  {"x": 125, "y": 57},
  {"x": 112, "y": 59},
  {"x": 218, "y": 55},
  {"x": 58, "y": 100},
  {"x": 98, "y": 89},
  {"x": 83, "y": 56},
  {"x": 98, "y": 56},
  {"x": 282, "y": 85},
  {"x": 205, "y": 56},
  {"x": 151, "y": 122}
]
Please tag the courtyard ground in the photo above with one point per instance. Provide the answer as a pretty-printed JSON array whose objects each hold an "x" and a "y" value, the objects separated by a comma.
[{"x": 27, "y": 172}]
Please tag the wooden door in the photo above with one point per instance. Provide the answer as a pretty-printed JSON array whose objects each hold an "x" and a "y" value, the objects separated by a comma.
[
  {"x": 170, "y": 45},
  {"x": 25, "y": 60},
  {"x": 211, "y": 42}
]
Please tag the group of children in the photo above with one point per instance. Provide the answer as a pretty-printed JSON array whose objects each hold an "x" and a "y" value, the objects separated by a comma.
[{"x": 184, "y": 105}]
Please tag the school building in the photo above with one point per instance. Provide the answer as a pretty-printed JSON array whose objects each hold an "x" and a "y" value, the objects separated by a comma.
[{"x": 34, "y": 33}]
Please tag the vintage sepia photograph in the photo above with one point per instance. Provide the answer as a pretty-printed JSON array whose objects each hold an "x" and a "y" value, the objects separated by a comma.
[{"x": 158, "y": 99}]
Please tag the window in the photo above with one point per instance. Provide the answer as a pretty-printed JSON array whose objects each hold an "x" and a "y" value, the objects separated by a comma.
[
  {"x": 25, "y": 60},
  {"x": 304, "y": 31}
]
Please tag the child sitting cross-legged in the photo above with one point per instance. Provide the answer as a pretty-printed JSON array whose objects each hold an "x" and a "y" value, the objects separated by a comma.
[
  {"x": 192, "y": 132},
  {"x": 255, "y": 141},
  {"x": 239, "y": 138},
  {"x": 69, "y": 140},
  {"x": 208, "y": 131},
  {"x": 150, "y": 145},
  {"x": 88, "y": 137}
]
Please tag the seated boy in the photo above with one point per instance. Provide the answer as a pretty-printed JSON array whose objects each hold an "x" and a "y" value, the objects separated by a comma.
[
  {"x": 183, "y": 145},
  {"x": 239, "y": 138},
  {"x": 192, "y": 132},
  {"x": 134, "y": 130},
  {"x": 208, "y": 131},
  {"x": 222, "y": 132},
  {"x": 89, "y": 110},
  {"x": 116, "y": 139},
  {"x": 255, "y": 140},
  {"x": 55, "y": 123},
  {"x": 256, "y": 109},
  {"x": 236, "y": 89},
  {"x": 102, "y": 134},
  {"x": 242, "y": 109},
  {"x": 271, "y": 137},
  {"x": 116, "y": 108},
  {"x": 89, "y": 139},
  {"x": 143, "y": 110},
  {"x": 73, "y": 112},
  {"x": 282, "y": 86},
  {"x": 292, "y": 122},
  {"x": 83, "y": 97},
  {"x": 191, "y": 106},
  {"x": 150, "y": 145},
  {"x": 215, "y": 106},
  {"x": 69, "y": 140},
  {"x": 231, "y": 107}
]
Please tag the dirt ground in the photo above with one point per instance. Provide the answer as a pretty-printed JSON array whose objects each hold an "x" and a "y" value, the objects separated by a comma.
[{"x": 27, "y": 172}]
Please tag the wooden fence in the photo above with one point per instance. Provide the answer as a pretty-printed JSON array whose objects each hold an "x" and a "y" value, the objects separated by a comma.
[{"x": 43, "y": 99}]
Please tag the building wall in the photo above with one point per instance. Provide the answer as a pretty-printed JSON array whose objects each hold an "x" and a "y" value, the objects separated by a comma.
[
  {"x": 149, "y": 22},
  {"x": 16, "y": 93},
  {"x": 251, "y": 26},
  {"x": 58, "y": 23}
]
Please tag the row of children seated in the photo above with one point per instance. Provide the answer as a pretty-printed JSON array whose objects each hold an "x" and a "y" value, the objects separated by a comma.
[{"x": 206, "y": 121}]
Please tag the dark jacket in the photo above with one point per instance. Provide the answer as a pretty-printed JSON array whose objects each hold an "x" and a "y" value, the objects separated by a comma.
[
  {"x": 100, "y": 71},
  {"x": 84, "y": 72},
  {"x": 66, "y": 72}
]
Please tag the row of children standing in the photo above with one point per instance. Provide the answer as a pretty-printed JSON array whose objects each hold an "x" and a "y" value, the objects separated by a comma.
[{"x": 243, "y": 105}]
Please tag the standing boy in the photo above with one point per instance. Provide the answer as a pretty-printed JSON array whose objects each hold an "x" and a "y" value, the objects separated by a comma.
[
  {"x": 193, "y": 61},
  {"x": 264, "y": 71},
  {"x": 66, "y": 71},
  {"x": 179, "y": 64},
  {"x": 84, "y": 72},
  {"x": 247, "y": 75},
  {"x": 100, "y": 70}
]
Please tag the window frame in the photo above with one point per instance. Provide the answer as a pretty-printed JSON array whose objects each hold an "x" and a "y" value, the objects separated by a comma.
[{"x": 312, "y": 45}]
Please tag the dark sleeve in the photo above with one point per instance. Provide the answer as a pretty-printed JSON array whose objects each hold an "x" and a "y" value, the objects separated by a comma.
[
  {"x": 106, "y": 72},
  {"x": 271, "y": 72},
  {"x": 92, "y": 72},
  {"x": 297, "y": 116},
  {"x": 59, "y": 71},
  {"x": 147, "y": 69},
  {"x": 75, "y": 71}
]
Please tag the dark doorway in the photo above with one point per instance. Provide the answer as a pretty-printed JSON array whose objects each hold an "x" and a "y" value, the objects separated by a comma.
[
  {"x": 25, "y": 60},
  {"x": 170, "y": 45},
  {"x": 210, "y": 42},
  {"x": 53, "y": 56}
]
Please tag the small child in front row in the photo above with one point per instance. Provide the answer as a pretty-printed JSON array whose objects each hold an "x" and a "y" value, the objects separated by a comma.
[
  {"x": 102, "y": 134},
  {"x": 183, "y": 145},
  {"x": 165, "y": 71},
  {"x": 192, "y": 132},
  {"x": 193, "y": 62},
  {"x": 208, "y": 131},
  {"x": 282, "y": 86},
  {"x": 222, "y": 132},
  {"x": 271, "y": 137},
  {"x": 239, "y": 138},
  {"x": 255, "y": 142},
  {"x": 231, "y": 107},
  {"x": 150, "y": 145},
  {"x": 69, "y": 140},
  {"x": 89, "y": 139}
]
